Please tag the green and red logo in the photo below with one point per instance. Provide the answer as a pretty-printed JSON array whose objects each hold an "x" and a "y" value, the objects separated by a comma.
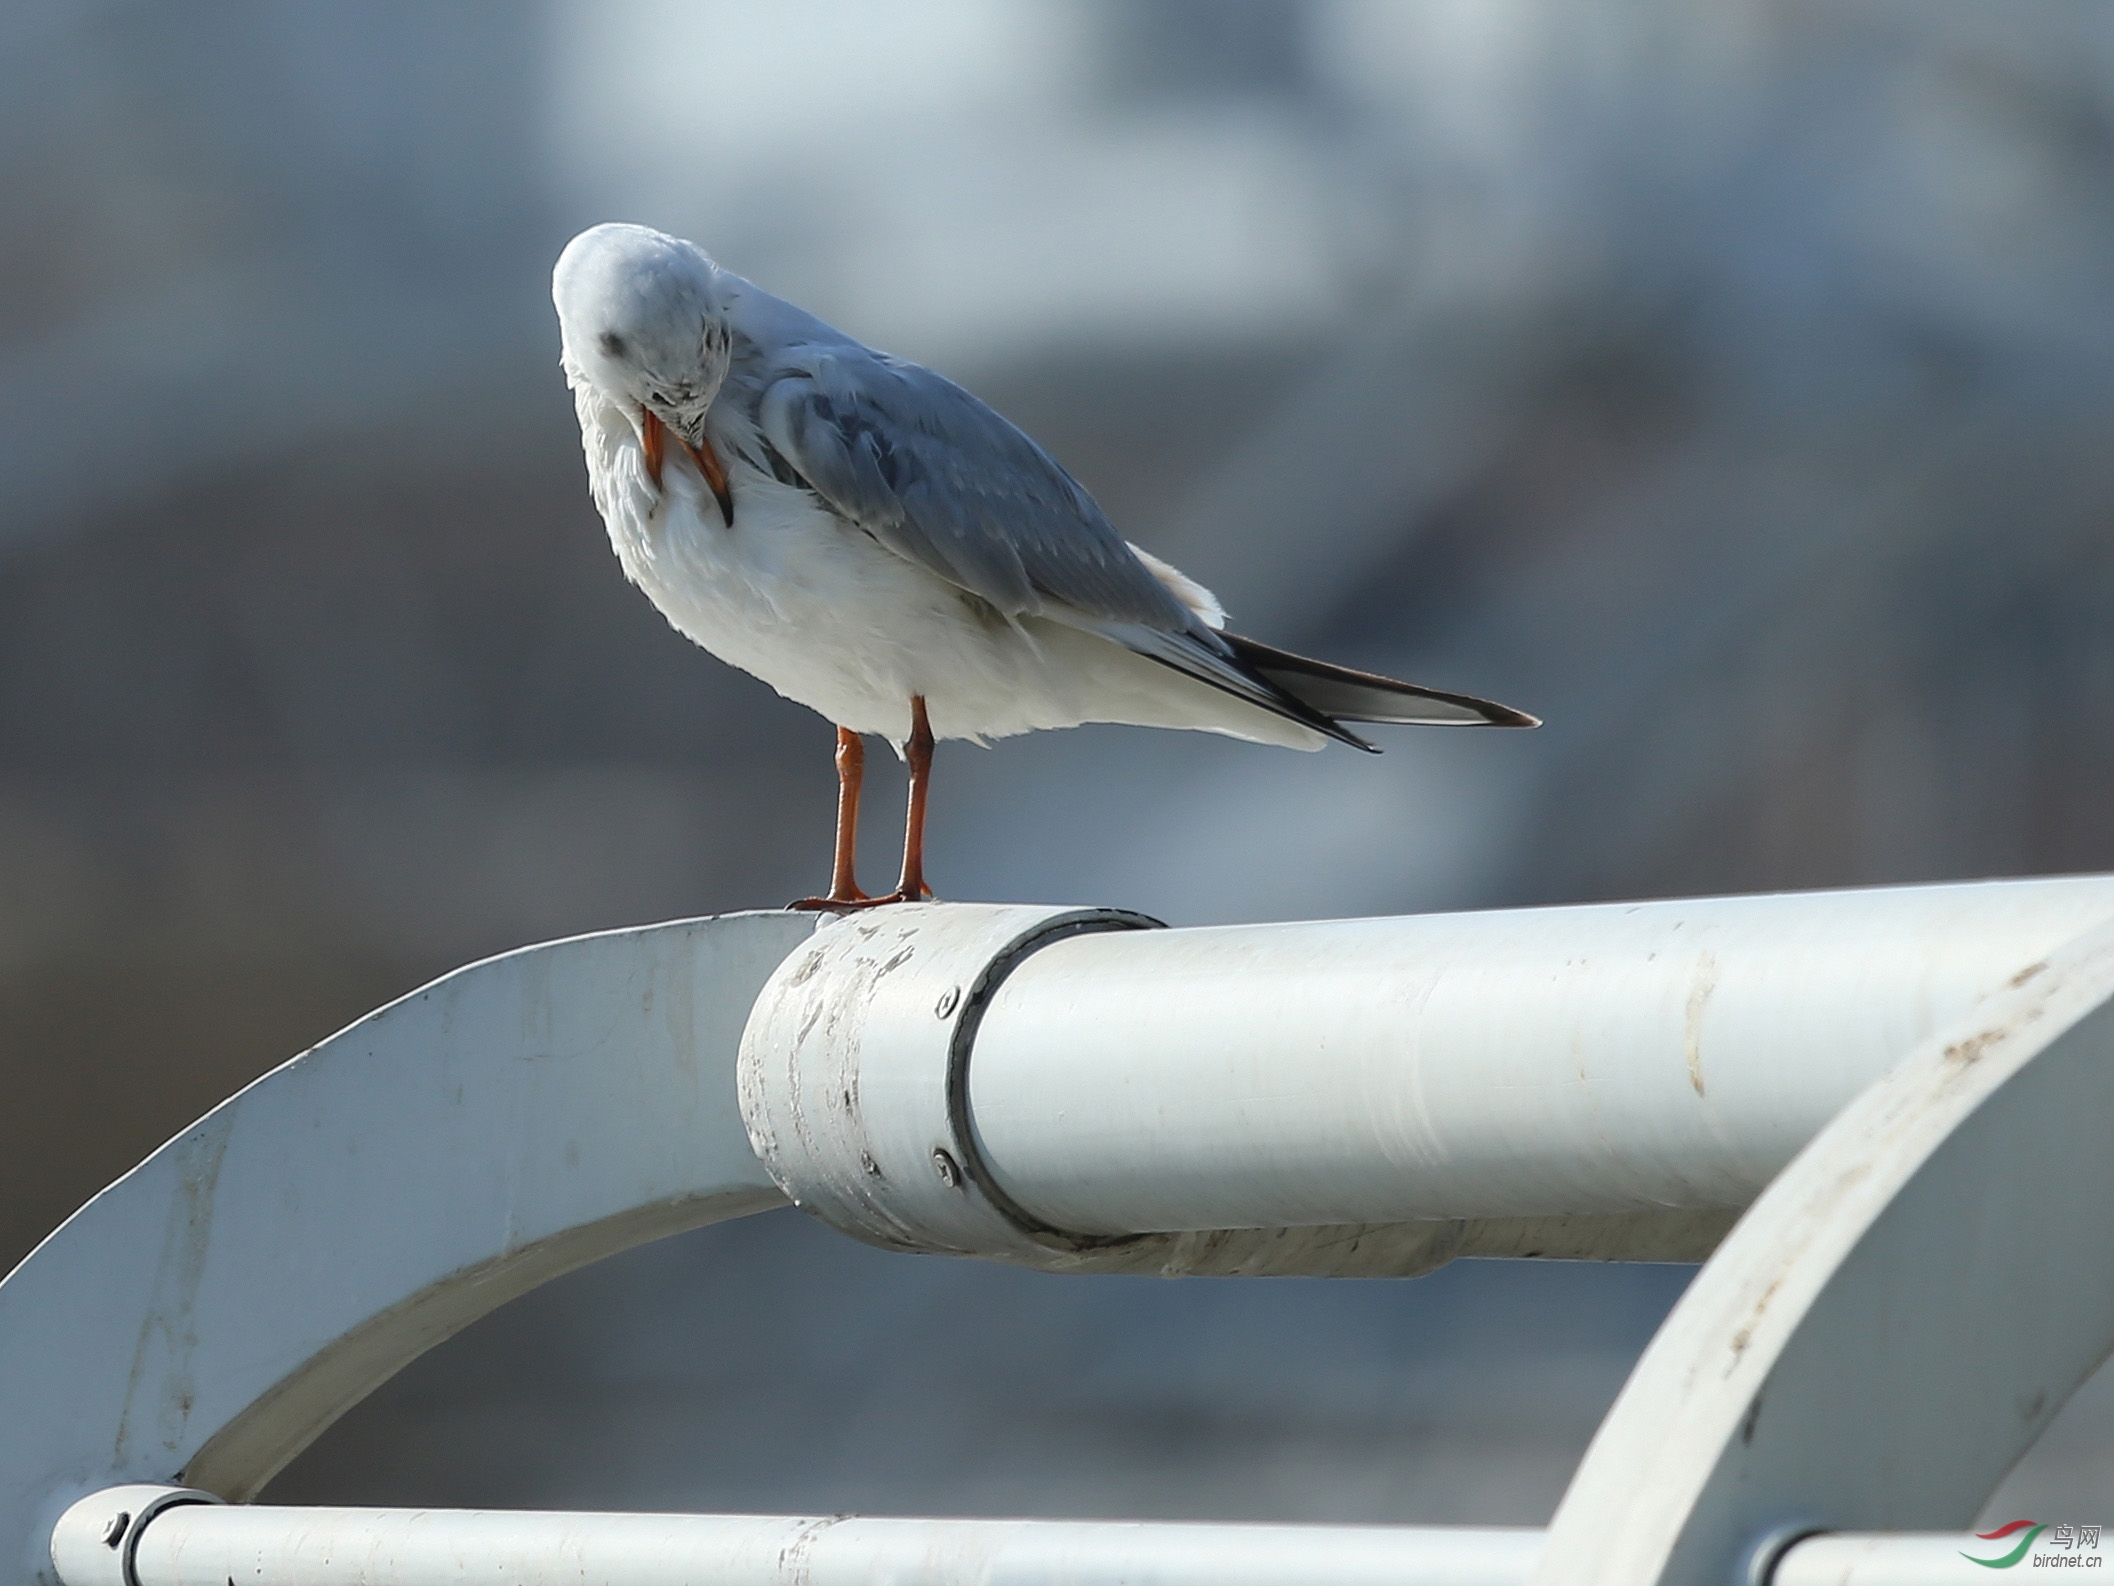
[
  {"x": 2032, "y": 1530},
  {"x": 2074, "y": 1546}
]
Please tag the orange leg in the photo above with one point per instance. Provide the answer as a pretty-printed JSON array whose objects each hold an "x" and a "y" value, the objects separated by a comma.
[
  {"x": 843, "y": 882},
  {"x": 844, "y": 890},
  {"x": 911, "y": 888}
]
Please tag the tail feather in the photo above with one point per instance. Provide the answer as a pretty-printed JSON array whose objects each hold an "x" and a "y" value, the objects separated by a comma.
[{"x": 1341, "y": 693}]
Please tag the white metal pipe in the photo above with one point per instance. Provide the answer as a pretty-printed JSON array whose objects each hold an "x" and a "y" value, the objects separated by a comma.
[
  {"x": 1876, "y": 1558},
  {"x": 1552, "y": 1061},
  {"x": 1893, "y": 1322},
  {"x": 214, "y": 1545},
  {"x": 144, "y": 1536}
]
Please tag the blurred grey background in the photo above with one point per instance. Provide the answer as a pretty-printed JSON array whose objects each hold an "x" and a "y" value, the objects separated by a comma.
[{"x": 1729, "y": 385}]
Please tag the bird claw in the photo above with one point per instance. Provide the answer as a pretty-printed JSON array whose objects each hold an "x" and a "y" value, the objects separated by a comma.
[{"x": 847, "y": 905}]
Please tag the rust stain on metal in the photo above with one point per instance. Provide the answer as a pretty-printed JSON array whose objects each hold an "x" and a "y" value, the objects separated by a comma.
[
  {"x": 1745, "y": 1336},
  {"x": 1816, "y": 1216},
  {"x": 1705, "y": 982},
  {"x": 1971, "y": 1050}
]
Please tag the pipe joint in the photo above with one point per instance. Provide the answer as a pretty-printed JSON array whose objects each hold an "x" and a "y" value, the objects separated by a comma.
[
  {"x": 96, "y": 1542},
  {"x": 854, "y": 1074}
]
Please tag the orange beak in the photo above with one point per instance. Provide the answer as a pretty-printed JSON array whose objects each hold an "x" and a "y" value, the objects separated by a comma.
[
  {"x": 653, "y": 441},
  {"x": 651, "y": 437},
  {"x": 708, "y": 464}
]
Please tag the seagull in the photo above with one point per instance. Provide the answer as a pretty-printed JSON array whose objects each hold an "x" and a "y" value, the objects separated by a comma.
[{"x": 876, "y": 544}]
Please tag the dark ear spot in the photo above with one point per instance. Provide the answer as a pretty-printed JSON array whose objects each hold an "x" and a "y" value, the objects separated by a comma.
[{"x": 612, "y": 344}]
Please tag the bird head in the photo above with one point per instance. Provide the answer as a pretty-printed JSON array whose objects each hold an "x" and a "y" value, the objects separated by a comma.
[{"x": 643, "y": 321}]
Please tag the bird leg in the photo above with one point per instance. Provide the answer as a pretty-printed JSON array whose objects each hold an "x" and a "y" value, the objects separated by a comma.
[
  {"x": 844, "y": 890},
  {"x": 851, "y": 773},
  {"x": 911, "y": 888}
]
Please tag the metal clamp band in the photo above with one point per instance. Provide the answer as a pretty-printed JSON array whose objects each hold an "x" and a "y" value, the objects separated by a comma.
[
  {"x": 96, "y": 1541},
  {"x": 854, "y": 1073},
  {"x": 961, "y": 1129}
]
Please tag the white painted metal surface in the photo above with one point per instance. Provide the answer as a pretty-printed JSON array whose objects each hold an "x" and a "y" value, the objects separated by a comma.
[
  {"x": 1517, "y": 1080},
  {"x": 153, "y": 1536},
  {"x": 1893, "y": 1322},
  {"x": 854, "y": 1069},
  {"x": 1614, "y": 1059},
  {"x": 96, "y": 1542},
  {"x": 854, "y": 1083},
  {"x": 1934, "y": 1558},
  {"x": 216, "y": 1308},
  {"x": 210, "y": 1546}
]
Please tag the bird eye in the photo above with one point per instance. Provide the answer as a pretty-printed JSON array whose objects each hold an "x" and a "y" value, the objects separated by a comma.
[{"x": 613, "y": 344}]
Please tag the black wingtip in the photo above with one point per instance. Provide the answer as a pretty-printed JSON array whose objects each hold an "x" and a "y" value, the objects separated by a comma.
[
  {"x": 1297, "y": 709},
  {"x": 1343, "y": 693}
]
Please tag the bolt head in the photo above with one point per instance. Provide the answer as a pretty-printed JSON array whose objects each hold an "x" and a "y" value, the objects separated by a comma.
[
  {"x": 949, "y": 1170},
  {"x": 114, "y": 1528},
  {"x": 950, "y": 999}
]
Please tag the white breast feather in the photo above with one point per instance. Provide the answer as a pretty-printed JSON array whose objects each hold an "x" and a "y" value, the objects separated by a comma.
[{"x": 831, "y": 619}]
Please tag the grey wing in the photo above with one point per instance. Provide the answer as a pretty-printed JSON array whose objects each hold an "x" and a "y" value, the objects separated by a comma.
[{"x": 943, "y": 481}]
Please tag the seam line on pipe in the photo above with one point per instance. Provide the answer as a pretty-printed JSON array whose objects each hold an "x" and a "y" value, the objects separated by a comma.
[
  {"x": 150, "y": 1511},
  {"x": 961, "y": 1047}
]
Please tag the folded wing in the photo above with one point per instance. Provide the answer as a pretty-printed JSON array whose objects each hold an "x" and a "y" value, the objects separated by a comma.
[{"x": 943, "y": 481}]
